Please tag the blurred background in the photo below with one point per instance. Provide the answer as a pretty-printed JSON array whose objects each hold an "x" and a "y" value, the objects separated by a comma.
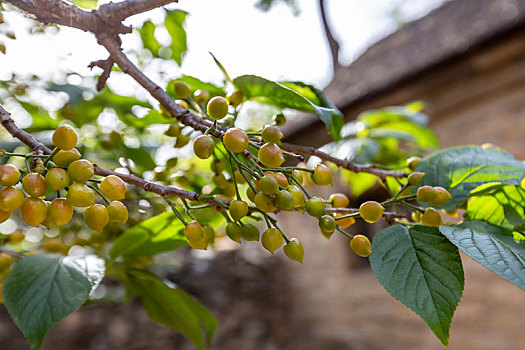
[{"x": 457, "y": 68}]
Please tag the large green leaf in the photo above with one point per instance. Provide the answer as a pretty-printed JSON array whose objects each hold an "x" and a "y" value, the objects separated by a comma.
[
  {"x": 160, "y": 233},
  {"x": 172, "y": 307},
  {"x": 43, "y": 289},
  {"x": 492, "y": 246},
  {"x": 271, "y": 92},
  {"x": 423, "y": 270},
  {"x": 174, "y": 23},
  {"x": 502, "y": 207},
  {"x": 147, "y": 34},
  {"x": 461, "y": 169}
]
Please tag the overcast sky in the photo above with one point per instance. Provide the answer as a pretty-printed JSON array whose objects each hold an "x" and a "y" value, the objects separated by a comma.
[{"x": 276, "y": 45}]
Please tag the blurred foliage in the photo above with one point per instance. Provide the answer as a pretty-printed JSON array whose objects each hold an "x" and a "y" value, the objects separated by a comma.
[
  {"x": 385, "y": 137},
  {"x": 266, "y": 5}
]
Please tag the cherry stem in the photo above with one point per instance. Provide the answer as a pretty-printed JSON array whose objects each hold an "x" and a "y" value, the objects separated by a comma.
[
  {"x": 413, "y": 207},
  {"x": 397, "y": 200},
  {"x": 26, "y": 160},
  {"x": 226, "y": 216},
  {"x": 404, "y": 187},
  {"x": 346, "y": 234},
  {"x": 274, "y": 222},
  {"x": 353, "y": 215},
  {"x": 235, "y": 180},
  {"x": 50, "y": 157},
  {"x": 176, "y": 212},
  {"x": 98, "y": 192},
  {"x": 301, "y": 186},
  {"x": 188, "y": 208}
]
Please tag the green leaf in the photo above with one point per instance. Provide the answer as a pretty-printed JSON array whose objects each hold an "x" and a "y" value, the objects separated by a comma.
[
  {"x": 503, "y": 207},
  {"x": 158, "y": 234},
  {"x": 152, "y": 117},
  {"x": 43, "y": 289},
  {"x": 196, "y": 84},
  {"x": 359, "y": 183},
  {"x": 74, "y": 92},
  {"x": 423, "y": 270},
  {"x": 172, "y": 307},
  {"x": 421, "y": 136},
  {"x": 41, "y": 118},
  {"x": 376, "y": 117},
  {"x": 174, "y": 23},
  {"x": 271, "y": 92},
  {"x": 147, "y": 34},
  {"x": 205, "y": 318},
  {"x": 142, "y": 158},
  {"x": 462, "y": 169},
  {"x": 492, "y": 246},
  {"x": 221, "y": 67}
]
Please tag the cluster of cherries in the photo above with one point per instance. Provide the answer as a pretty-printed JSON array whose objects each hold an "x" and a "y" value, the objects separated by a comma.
[
  {"x": 61, "y": 171},
  {"x": 271, "y": 186}
]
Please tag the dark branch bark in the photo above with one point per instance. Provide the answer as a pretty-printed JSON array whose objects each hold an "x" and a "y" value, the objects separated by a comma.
[
  {"x": 108, "y": 16},
  {"x": 58, "y": 12},
  {"x": 334, "y": 44},
  {"x": 117, "y": 12}
]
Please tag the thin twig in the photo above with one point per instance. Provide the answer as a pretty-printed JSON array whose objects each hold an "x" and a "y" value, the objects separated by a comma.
[
  {"x": 342, "y": 163},
  {"x": 106, "y": 66},
  {"x": 12, "y": 253}
]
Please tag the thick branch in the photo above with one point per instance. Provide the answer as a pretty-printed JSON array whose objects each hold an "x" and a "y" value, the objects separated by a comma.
[
  {"x": 58, "y": 12},
  {"x": 108, "y": 16},
  {"x": 117, "y": 12}
]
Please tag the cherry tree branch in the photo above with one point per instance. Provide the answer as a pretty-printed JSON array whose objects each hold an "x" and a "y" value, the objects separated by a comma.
[
  {"x": 386, "y": 214},
  {"x": 108, "y": 16},
  {"x": 9, "y": 124},
  {"x": 165, "y": 191},
  {"x": 117, "y": 12},
  {"x": 342, "y": 163},
  {"x": 95, "y": 22}
]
